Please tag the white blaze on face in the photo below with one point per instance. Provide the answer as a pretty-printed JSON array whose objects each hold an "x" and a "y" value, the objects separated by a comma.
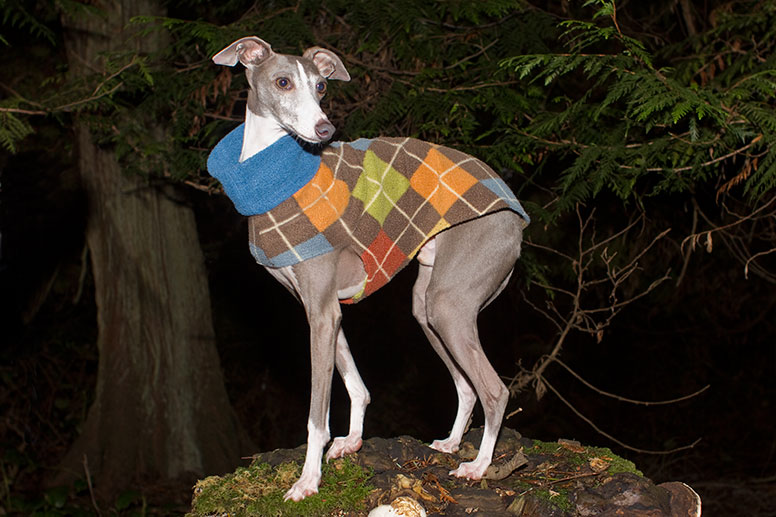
[
  {"x": 302, "y": 109},
  {"x": 284, "y": 100}
]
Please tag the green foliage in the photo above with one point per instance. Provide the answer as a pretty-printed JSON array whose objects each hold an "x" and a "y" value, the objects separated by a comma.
[
  {"x": 12, "y": 128},
  {"x": 615, "y": 111},
  {"x": 17, "y": 16},
  {"x": 638, "y": 128}
]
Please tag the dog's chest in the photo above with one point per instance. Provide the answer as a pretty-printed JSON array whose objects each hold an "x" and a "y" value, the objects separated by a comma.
[{"x": 384, "y": 198}]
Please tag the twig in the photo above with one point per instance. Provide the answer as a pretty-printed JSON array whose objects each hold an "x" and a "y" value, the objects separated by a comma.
[
  {"x": 576, "y": 476},
  {"x": 578, "y": 317},
  {"x": 614, "y": 18},
  {"x": 687, "y": 256},
  {"x": 21, "y": 111},
  {"x": 624, "y": 399},
  {"x": 466, "y": 88},
  {"x": 513, "y": 413},
  {"x": 592, "y": 253},
  {"x": 82, "y": 274},
  {"x": 71, "y": 105},
  {"x": 89, "y": 484},
  {"x": 609, "y": 436},
  {"x": 472, "y": 56},
  {"x": 704, "y": 164},
  {"x": 759, "y": 254},
  {"x": 730, "y": 242}
]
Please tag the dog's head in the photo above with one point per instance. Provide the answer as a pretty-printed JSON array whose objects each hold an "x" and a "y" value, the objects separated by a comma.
[{"x": 287, "y": 88}]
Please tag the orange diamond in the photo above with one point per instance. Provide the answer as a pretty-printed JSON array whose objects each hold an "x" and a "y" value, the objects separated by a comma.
[
  {"x": 441, "y": 181},
  {"x": 323, "y": 199}
]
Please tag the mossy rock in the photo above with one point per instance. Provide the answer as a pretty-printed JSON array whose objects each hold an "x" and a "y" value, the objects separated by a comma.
[
  {"x": 558, "y": 470},
  {"x": 258, "y": 490},
  {"x": 554, "y": 479}
]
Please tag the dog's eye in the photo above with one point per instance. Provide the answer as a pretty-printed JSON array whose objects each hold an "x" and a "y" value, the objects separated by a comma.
[
  {"x": 321, "y": 87},
  {"x": 284, "y": 83}
]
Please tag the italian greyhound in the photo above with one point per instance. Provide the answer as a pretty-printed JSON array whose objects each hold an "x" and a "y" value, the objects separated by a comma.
[{"x": 461, "y": 270}]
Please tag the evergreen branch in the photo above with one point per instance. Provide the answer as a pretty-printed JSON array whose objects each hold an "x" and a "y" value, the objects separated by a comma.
[
  {"x": 22, "y": 111},
  {"x": 704, "y": 164},
  {"x": 71, "y": 106}
]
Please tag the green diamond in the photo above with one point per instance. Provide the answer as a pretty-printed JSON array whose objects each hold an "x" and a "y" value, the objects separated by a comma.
[{"x": 379, "y": 187}]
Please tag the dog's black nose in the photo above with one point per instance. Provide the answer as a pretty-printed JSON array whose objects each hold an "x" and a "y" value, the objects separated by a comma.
[{"x": 324, "y": 129}]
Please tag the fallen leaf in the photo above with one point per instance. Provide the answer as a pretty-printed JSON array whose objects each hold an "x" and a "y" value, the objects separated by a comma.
[
  {"x": 598, "y": 464},
  {"x": 571, "y": 445}
]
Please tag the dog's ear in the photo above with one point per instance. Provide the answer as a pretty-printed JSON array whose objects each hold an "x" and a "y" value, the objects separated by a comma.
[
  {"x": 250, "y": 51},
  {"x": 329, "y": 65}
]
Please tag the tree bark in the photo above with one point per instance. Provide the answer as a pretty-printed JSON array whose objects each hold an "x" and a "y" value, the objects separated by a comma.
[{"x": 160, "y": 410}]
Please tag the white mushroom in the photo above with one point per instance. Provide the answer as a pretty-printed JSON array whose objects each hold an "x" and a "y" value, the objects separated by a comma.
[{"x": 399, "y": 507}]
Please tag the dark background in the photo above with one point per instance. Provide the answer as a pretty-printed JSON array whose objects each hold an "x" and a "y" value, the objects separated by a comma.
[{"x": 715, "y": 328}]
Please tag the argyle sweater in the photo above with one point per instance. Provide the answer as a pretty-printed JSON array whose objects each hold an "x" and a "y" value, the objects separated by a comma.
[{"x": 383, "y": 197}]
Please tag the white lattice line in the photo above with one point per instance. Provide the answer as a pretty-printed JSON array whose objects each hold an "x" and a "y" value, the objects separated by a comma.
[{"x": 285, "y": 240}]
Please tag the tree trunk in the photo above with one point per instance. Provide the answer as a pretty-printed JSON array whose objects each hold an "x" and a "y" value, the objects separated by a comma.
[{"x": 160, "y": 411}]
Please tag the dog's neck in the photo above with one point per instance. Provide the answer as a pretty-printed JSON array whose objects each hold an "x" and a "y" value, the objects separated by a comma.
[{"x": 260, "y": 133}]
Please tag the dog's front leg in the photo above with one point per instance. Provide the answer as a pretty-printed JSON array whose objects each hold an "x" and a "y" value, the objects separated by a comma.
[{"x": 315, "y": 284}]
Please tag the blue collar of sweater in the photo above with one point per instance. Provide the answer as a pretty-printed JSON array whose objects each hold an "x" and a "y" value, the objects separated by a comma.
[{"x": 267, "y": 178}]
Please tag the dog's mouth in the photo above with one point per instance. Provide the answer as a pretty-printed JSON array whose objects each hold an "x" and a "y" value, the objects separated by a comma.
[
  {"x": 315, "y": 141},
  {"x": 311, "y": 146},
  {"x": 321, "y": 133}
]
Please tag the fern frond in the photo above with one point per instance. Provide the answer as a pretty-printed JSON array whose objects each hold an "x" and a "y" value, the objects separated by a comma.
[{"x": 12, "y": 130}]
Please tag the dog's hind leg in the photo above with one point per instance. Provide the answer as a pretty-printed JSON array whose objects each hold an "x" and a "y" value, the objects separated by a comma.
[
  {"x": 466, "y": 395},
  {"x": 471, "y": 265}
]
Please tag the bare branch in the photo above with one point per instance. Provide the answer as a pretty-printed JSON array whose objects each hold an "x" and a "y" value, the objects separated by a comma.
[
  {"x": 738, "y": 237},
  {"x": 625, "y": 399},
  {"x": 609, "y": 436},
  {"x": 595, "y": 267},
  {"x": 759, "y": 254}
]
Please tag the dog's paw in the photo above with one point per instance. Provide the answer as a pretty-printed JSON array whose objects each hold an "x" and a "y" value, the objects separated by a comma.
[
  {"x": 304, "y": 487},
  {"x": 343, "y": 445},
  {"x": 471, "y": 470},
  {"x": 448, "y": 445}
]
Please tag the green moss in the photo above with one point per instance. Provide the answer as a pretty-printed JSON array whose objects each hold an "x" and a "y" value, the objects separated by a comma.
[
  {"x": 259, "y": 489},
  {"x": 558, "y": 498},
  {"x": 554, "y": 476},
  {"x": 617, "y": 464}
]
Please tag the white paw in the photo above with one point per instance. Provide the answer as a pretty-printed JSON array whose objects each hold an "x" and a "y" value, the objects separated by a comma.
[
  {"x": 343, "y": 445},
  {"x": 304, "y": 487},
  {"x": 447, "y": 445},
  {"x": 471, "y": 470}
]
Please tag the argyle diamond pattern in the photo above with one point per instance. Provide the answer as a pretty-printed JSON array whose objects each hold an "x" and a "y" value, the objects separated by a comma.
[
  {"x": 379, "y": 187},
  {"x": 384, "y": 198}
]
